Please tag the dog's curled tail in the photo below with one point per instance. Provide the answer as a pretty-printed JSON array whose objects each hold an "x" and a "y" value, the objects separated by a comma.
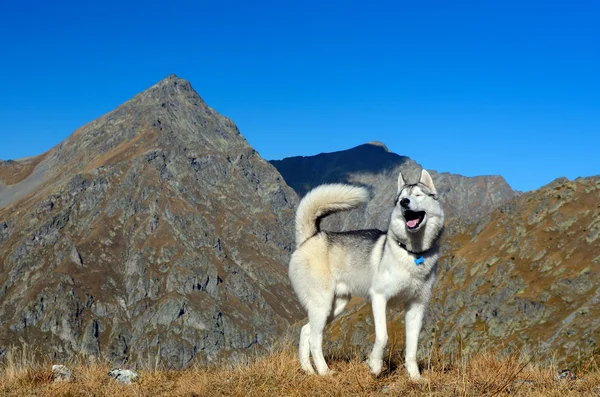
[{"x": 322, "y": 201}]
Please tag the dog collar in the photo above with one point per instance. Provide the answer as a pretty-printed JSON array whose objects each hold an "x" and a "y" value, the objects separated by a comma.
[{"x": 418, "y": 260}]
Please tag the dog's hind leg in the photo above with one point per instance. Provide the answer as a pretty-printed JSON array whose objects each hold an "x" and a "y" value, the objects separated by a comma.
[
  {"x": 318, "y": 319},
  {"x": 304, "y": 349},
  {"x": 339, "y": 304}
]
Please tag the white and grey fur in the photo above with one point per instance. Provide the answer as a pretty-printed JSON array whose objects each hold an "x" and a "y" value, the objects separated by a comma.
[{"x": 327, "y": 268}]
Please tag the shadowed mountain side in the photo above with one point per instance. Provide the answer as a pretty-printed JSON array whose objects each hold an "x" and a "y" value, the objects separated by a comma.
[
  {"x": 374, "y": 166},
  {"x": 152, "y": 233},
  {"x": 304, "y": 173}
]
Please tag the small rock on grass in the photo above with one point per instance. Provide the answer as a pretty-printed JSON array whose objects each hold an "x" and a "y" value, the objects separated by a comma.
[
  {"x": 124, "y": 375},
  {"x": 566, "y": 376},
  {"x": 60, "y": 373}
]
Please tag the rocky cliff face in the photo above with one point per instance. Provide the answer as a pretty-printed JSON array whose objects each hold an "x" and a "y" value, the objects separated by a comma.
[
  {"x": 153, "y": 233},
  {"x": 523, "y": 277}
]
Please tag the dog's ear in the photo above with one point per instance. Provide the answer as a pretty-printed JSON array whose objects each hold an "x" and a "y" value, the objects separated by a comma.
[
  {"x": 427, "y": 181},
  {"x": 401, "y": 182}
]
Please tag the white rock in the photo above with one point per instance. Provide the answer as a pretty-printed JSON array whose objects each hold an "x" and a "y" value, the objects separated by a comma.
[
  {"x": 124, "y": 375},
  {"x": 60, "y": 373}
]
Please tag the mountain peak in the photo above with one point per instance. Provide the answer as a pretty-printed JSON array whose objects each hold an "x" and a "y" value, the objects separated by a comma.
[
  {"x": 378, "y": 144},
  {"x": 168, "y": 115},
  {"x": 171, "y": 86},
  {"x": 171, "y": 79}
]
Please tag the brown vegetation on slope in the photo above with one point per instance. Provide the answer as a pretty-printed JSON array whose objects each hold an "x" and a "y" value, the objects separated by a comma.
[{"x": 14, "y": 171}]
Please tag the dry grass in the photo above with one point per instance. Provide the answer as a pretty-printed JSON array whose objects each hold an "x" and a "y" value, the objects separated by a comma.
[{"x": 279, "y": 375}]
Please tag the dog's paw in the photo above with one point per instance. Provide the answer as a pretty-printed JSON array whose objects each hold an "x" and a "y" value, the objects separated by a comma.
[
  {"x": 308, "y": 369},
  {"x": 413, "y": 372},
  {"x": 376, "y": 366},
  {"x": 327, "y": 372}
]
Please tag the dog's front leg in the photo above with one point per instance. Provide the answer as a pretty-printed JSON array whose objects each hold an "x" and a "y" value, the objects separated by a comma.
[
  {"x": 376, "y": 359},
  {"x": 413, "y": 319}
]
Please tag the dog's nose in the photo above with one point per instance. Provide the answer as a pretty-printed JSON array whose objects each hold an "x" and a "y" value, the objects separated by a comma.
[{"x": 405, "y": 202}]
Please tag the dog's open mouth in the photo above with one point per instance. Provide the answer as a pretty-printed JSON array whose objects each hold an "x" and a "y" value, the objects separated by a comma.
[{"x": 414, "y": 218}]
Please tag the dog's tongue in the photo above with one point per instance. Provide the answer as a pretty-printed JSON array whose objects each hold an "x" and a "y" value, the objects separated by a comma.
[{"x": 412, "y": 222}]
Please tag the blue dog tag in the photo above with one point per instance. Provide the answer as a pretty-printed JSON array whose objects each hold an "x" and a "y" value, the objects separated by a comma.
[{"x": 419, "y": 260}]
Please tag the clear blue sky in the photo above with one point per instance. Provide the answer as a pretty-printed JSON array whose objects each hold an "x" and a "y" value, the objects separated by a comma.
[{"x": 496, "y": 87}]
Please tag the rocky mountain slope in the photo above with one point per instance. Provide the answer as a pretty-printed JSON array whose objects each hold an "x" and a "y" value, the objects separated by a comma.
[
  {"x": 374, "y": 166},
  {"x": 154, "y": 233},
  {"x": 523, "y": 277}
]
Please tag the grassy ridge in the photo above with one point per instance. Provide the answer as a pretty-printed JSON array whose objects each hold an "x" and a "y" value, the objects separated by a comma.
[{"x": 278, "y": 374}]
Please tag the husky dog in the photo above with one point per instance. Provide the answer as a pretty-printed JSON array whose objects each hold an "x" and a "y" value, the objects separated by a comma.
[{"x": 327, "y": 268}]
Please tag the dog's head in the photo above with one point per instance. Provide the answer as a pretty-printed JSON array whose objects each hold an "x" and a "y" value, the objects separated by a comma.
[
  {"x": 417, "y": 202},
  {"x": 417, "y": 212}
]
